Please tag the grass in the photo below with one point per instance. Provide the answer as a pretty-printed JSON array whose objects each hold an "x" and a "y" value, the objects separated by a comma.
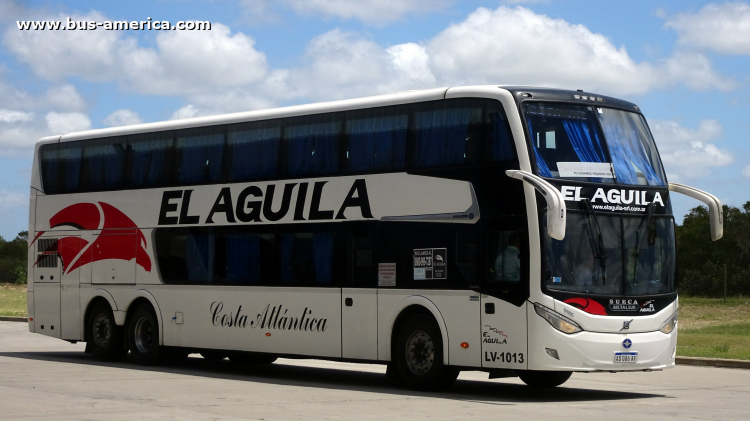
[
  {"x": 711, "y": 328},
  {"x": 708, "y": 327},
  {"x": 12, "y": 300}
]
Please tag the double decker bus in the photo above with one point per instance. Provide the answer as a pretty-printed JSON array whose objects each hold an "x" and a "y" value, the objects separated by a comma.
[{"x": 520, "y": 231}]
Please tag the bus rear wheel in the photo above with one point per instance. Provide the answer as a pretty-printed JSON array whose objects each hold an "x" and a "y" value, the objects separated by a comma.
[
  {"x": 143, "y": 336},
  {"x": 106, "y": 340},
  {"x": 419, "y": 355},
  {"x": 544, "y": 378}
]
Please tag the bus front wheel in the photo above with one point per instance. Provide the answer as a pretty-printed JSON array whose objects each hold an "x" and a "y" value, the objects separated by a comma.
[
  {"x": 143, "y": 336},
  {"x": 105, "y": 339},
  {"x": 419, "y": 355},
  {"x": 544, "y": 378}
]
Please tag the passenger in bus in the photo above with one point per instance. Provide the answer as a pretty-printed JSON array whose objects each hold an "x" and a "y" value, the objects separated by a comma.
[{"x": 508, "y": 262}]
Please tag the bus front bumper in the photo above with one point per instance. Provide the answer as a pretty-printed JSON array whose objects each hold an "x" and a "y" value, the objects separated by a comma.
[{"x": 594, "y": 351}]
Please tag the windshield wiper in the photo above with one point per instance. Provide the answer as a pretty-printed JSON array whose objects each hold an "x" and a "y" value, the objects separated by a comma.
[
  {"x": 650, "y": 208},
  {"x": 597, "y": 247}
]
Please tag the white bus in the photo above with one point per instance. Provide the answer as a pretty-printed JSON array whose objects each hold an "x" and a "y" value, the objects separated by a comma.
[{"x": 520, "y": 231}]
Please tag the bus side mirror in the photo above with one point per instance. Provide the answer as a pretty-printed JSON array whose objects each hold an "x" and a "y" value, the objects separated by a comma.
[
  {"x": 556, "y": 214},
  {"x": 715, "y": 212}
]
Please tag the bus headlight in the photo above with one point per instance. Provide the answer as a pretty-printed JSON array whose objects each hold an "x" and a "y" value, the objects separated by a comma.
[
  {"x": 558, "y": 321},
  {"x": 669, "y": 325}
]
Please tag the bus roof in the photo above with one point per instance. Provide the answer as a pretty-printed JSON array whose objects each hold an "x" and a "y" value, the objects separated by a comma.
[{"x": 520, "y": 92}]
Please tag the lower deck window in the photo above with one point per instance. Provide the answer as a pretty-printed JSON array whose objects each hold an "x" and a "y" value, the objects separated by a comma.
[{"x": 224, "y": 256}]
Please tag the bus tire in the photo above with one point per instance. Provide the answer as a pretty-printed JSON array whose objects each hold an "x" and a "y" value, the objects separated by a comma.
[
  {"x": 106, "y": 340},
  {"x": 143, "y": 336},
  {"x": 419, "y": 355},
  {"x": 251, "y": 358},
  {"x": 544, "y": 379}
]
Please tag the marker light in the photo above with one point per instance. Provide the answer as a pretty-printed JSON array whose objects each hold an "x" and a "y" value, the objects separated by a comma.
[
  {"x": 464, "y": 345},
  {"x": 558, "y": 321},
  {"x": 669, "y": 325}
]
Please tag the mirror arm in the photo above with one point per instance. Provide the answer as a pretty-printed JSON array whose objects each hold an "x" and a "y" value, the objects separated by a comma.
[
  {"x": 715, "y": 211},
  {"x": 556, "y": 213}
]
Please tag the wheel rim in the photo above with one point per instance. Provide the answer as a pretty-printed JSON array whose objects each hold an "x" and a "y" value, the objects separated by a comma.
[
  {"x": 420, "y": 352},
  {"x": 143, "y": 335},
  {"x": 102, "y": 330}
]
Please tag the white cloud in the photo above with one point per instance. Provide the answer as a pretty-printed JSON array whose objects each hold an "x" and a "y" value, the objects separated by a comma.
[
  {"x": 10, "y": 116},
  {"x": 723, "y": 28},
  {"x": 62, "y": 123},
  {"x": 687, "y": 152},
  {"x": 377, "y": 12},
  {"x": 12, "y": 199},
  {"x": 194, "y": 62},
  {"x": 746, "y": 172},
  {"x": 64, "y": 98},
  {"x": 122, "y": 118},
  {"x": 56, "y": 54},
  {"x": 182, "y": 63},
  {"x": 18, "y": 135},
  {"x": 518, "y": 46},
  {"x": 188, "y": 111}
]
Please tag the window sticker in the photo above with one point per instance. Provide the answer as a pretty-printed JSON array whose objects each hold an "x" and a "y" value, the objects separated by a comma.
[
  {"x": 585, "y": 169},
  {"x": 430, "y": 264},
  {"x": 386, "y": 274}
]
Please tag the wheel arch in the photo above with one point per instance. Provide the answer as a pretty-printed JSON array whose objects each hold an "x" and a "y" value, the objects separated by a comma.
[
  {"x": 100, "y": 295},
  {"x": 410, "y": 306},
  {"x": 142, "y": 296}
]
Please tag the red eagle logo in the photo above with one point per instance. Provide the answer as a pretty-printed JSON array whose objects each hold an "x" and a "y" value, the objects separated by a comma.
[
  {"x": 587, "y": 305},
  {"x": 76, "y": 252}
]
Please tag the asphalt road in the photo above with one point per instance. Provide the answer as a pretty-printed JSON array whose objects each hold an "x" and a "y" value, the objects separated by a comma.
[{"x": 44, "y": 378}]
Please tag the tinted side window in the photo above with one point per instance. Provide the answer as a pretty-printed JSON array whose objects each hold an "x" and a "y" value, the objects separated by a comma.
[
  {"x": 150, "y": 159},
  {"x": 499, "y": 142},
  {"x": 307, "y": 258},
  {"x": 503, "y": 257},
  {"x": 61, "y": 167},
  {"x": 104, "y": 164},
  {"x": 253, "y": 152},
  {"x": 248, "y": 257},
  {"x": 311, "y": 145},
  {"x": 429, "y": 255},
  {"x": 245, "y": 256},
  {"x": 362, "y": 264},
  {"x": 376, "y": 139},
  {"x": 199, "y": 154},
  {"x": 447, "y": 133}
]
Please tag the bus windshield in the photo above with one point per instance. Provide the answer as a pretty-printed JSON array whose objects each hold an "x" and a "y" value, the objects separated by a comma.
[
  {"x": 597, "y": 144},
  {"x": 630, "y": 256}
]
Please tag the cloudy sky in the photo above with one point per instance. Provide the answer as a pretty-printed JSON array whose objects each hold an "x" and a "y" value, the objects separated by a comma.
[{"x": 684, "y": 62}]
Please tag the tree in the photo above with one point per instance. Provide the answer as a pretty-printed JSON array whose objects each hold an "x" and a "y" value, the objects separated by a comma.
[{"x": 700, "y": 261}]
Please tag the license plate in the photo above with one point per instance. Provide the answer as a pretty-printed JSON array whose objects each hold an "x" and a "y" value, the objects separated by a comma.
[{"x": 626, "y": 357}]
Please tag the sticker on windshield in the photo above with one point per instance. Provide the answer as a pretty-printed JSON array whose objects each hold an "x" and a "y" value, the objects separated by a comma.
[{"x": 585, "y": 169}]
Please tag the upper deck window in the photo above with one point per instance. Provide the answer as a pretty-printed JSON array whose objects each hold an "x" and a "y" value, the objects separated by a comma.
[
  {"x": 199, "y": 154},
  {"x": 376, "y": 139},
  {"x": 312, "y": 145},
  {"x": 104, "y": 164},
  {"x": 447, "y": 133},
  {"x": 564, "y": 135},
  {"x": 459, "y": 132},
  {"x": 253, "y": 150}
]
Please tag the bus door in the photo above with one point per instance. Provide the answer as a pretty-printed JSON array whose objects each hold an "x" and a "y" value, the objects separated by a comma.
[
  {"x": 46, "y": 277},
  {"x": 505, "y": 290},
  {"x": 359, "y": 298}
]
